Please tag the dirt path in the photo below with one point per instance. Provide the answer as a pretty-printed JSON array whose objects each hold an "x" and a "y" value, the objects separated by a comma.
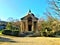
[{"x": 9, "y": 40}]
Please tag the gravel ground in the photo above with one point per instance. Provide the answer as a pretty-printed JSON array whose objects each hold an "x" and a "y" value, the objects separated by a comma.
[{"x": 10, "y": 40}]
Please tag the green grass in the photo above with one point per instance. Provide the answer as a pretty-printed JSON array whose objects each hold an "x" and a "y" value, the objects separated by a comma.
[{"x": 0, "y": 32}]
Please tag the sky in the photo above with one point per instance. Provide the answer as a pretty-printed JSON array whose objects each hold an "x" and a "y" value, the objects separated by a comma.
[{"x": 19, "y": 8}]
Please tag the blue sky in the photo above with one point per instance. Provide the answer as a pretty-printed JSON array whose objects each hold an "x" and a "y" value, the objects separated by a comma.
[{"x": 19, "y": 8}]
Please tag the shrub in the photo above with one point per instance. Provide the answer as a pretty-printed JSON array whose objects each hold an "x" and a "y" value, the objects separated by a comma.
[
  {"x": 44, "y": 34},
  {"x": 15, "y": 33},
  {"x": 57, "y": 32},
  {"x": 10, "y": 32},
  {"x": 51, "y": 35},
  {"x": 7, "y": 32}
]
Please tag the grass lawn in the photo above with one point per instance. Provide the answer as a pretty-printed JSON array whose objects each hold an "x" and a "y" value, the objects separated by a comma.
[
  {"x": 0, "y": 32},
  {"x": 30, "y": 41},
  {"x": 11, "y": 40}
]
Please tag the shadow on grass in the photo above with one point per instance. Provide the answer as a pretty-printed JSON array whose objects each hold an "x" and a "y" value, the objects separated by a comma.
[{"x": 2, "y": 39}]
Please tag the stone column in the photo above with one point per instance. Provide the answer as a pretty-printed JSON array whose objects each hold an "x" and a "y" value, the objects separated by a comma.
[
  {"x": 32, "y": 25},
  {"x": 21, "y": 26},
  {"x": 36, "y": 26},
  {"x": 37, "y": 31},
  {"x": 26, "y": 25}
]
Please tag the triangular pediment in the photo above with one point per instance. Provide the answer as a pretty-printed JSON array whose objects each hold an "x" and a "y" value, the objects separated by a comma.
[{"x": 29, "y": 15}]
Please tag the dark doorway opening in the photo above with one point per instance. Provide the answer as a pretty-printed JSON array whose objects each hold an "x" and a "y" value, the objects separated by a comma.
[
  {"x": 29, "y": 23},
  {"x": 29, "y": 27}
]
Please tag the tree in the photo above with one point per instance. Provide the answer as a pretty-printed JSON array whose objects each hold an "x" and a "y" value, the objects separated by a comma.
[
  {"x": 17, "y": 25},
  {"x": 54, "y": 5},
  {"x": 9, "y": 26},
  {"x": 10, "y": 19},
  {"x": 14, "y": 27}
]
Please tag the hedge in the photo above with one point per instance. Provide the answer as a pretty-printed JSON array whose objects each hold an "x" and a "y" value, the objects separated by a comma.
[{"x": 7, "y": 32}]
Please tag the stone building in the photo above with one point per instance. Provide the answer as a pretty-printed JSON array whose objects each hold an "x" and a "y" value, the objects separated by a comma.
[{"x": 29, "y": 22}]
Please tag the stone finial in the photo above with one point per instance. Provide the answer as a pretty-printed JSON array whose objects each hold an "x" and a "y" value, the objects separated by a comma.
[{"x": 29, "y": 11}]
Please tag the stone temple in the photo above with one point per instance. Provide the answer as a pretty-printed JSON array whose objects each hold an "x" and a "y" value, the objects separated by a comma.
[{"x": 29, "y": 22}]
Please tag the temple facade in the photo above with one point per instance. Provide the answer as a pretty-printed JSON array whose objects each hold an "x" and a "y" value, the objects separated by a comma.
[{"x": 29, "y": 22}]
